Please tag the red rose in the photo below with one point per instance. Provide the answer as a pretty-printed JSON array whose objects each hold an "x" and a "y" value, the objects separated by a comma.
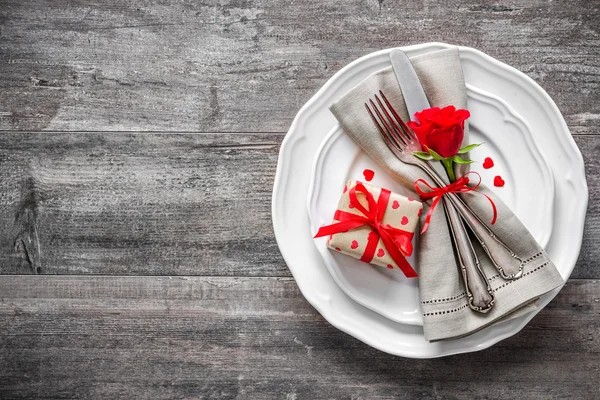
[{"x": 441, "y": 129}]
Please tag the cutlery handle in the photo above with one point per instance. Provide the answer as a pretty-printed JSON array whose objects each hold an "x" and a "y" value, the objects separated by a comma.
[
  {"x": 508, "y": 264},
  {"x": 479, "y": 294}
]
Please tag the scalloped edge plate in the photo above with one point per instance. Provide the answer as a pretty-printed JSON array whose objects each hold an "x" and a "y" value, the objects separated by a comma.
[{"x": 291, "y": 225}]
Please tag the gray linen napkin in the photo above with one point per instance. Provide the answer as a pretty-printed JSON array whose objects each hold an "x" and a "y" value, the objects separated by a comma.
[{"x": 445, "y": 311}]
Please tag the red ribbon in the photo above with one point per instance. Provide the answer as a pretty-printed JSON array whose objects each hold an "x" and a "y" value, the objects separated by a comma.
[
  {"x": 397, "y": 241},
  {"x": 459, "y": 186}
]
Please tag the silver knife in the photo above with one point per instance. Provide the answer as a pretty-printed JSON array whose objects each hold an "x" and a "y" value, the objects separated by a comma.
[
  {"x": 414, "y": 95},
  {"x": 476, "y": 283}
]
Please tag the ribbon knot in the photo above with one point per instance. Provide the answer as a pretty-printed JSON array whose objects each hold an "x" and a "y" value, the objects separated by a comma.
[
  {"x": 458, "y": 186},
  {"x": 397, "y": 241}
]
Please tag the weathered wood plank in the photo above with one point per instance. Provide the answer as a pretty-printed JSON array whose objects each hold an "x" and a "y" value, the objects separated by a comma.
[
  {"x": 125, "y": 204},
  {"x": 226, "y": 338},
  {"x": 154, "y": 204},
  {"x": 138, "y": 204},
  {"x": 241, "y": 66},
  {"x": 587, "y": 264}
]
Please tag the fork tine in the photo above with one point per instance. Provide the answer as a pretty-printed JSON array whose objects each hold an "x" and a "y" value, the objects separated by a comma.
[
  {"x": 409, "y": 134},
  {"x": 395, "y": 129},
  {"x": 389, "y": 133},
  {"x": 382, "y": 120},
  {"x": 383, "y": 132}
]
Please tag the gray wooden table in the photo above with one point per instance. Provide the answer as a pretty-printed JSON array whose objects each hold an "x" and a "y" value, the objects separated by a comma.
[{"x": 137, "y": 155}]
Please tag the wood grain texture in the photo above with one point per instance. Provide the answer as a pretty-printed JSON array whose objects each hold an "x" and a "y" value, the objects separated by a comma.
[
  {"x": 101, "y": 203},
  {"x": 243, "y": 338},
  {"x": 155, "y": 204},
  {"x": 587, "y": 265},
  {"x": 248, "y": 66},
  {"x": 224, "y": 319}
]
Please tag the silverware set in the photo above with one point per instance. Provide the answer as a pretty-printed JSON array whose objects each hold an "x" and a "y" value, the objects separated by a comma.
[{"x": 403, "y": 142}]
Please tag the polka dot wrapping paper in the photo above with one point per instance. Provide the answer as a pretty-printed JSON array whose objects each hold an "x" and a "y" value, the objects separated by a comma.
[{"x": 401, "y": 213}]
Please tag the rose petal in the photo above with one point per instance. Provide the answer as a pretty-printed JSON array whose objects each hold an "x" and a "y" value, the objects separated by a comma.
[{"x": 441, "y": 130}]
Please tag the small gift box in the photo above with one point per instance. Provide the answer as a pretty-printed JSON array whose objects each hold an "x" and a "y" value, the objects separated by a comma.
[{"x": 374, "y": 225}]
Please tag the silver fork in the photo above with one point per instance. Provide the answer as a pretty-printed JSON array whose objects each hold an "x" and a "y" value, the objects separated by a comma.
[
  {"x": 479, "y": 293},
  {"x": 508, "y": 264}
]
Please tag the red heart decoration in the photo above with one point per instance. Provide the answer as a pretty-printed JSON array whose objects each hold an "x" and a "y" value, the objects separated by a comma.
[
  {"x": 404, "y": 220},
  {"x": 345, "y": 188},
  {"x": 411, "y": 199},
  {"x": 368, "y": 174},
  {"x": 380, "y": 253},
  {"x": 390, "y": 266},
  {"x": 395, "y": 204},
  {"x": 488, "y": 163},
  {"x": 354, "y": 244},
  {"x": 498, "y": 181},
  {"x": 338, "y": 249}
]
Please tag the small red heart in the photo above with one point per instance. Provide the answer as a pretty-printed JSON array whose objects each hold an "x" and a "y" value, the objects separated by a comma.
[
  {"x": 498, "y": 181},
  {"x": 390, "y": 266},
  {"x": 380, "y": 253},
  {"x": 411, "y": 199},
  {"x": 419, "y": 212},
  {"x": 368, "y": 174},
  {"x": 488, "y": 163},
  {"x": 338, "y": 249},
  {"x": 404, "y": 220},
  {"x": 345, "y": 188},
  {"x": 395, "y": 204},
  {"x": 354, "y": 244},
  {"x": 350, "y": 205}
]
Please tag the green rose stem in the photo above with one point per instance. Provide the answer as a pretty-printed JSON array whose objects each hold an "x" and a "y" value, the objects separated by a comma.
[{"x": 449, "y": 165}]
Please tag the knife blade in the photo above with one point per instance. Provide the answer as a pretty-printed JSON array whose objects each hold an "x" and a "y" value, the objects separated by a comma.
[{"x": 414, "y": 95}]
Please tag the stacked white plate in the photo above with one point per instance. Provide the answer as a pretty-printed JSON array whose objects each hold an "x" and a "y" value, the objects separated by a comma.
[{"x": 522, "y": 129}]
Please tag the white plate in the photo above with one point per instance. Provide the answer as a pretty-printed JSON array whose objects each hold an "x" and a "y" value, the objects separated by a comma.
[
  {"x": 293, "y": 233},
  {"x": 507, "y": 140}
]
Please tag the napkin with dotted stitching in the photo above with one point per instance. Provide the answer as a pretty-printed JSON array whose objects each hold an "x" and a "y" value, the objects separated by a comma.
[{"x": 446, "y": 314}]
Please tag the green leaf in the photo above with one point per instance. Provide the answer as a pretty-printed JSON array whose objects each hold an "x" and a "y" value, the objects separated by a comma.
[
  {"x": 423, "y": 155},
  {"x": 459, "y": 160},
  {"x": 468, "y": 148},
  {"x": 435, "y": 155}
]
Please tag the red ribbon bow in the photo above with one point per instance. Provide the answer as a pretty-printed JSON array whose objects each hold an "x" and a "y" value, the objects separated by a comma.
[
  {"x": 459, "y": 186},
  {"x": 397, "y": 241}
]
